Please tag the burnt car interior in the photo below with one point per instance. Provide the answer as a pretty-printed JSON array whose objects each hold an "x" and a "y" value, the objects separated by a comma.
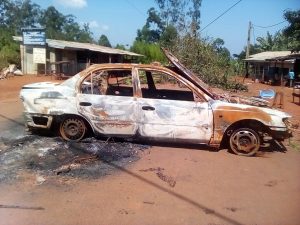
[
  {"x": 162, "y": 86},
  {"x": 154, "y": 85},
  {"x": 108, "y": 82}
]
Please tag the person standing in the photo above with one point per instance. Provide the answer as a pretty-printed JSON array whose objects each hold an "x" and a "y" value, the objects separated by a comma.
[{"x": 291, "y": 77}]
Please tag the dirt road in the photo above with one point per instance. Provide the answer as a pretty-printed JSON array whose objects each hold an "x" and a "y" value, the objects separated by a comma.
[{"x": 44, "y": 180}]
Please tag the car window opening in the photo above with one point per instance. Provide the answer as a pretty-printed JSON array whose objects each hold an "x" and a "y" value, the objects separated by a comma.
[
  {"x": 158, "y": 85},
  {"x": 108, "y": 82}
]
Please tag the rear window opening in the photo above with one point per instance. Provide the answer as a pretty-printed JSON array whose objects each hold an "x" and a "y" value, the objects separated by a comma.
[{"x": 108, "y": 82}]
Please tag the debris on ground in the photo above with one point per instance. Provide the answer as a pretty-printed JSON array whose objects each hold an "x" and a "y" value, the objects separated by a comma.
[
  {"x": 20, "y": 207},
  {"x": 10, "y": 71},
  {"x": 40, "y": 179},
  {"x": 170, "y": 180},
  {"x": 91, "y": 158},
  {"x": 158, "y": 171}
]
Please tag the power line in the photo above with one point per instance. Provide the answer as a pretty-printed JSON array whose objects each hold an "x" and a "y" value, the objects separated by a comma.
[
  {"x": 221, "y": 15},
  {"x": 132, "y": 5},
  {"x": 270, "y": 25}
]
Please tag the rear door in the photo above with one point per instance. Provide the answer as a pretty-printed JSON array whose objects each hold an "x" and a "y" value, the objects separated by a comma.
[{"x": 107, "y": 101}]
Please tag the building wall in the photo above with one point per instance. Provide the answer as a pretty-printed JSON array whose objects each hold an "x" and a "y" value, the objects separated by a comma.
[
  {"x": 270, "y": 71},
  {"x": 79, "y": 60}
]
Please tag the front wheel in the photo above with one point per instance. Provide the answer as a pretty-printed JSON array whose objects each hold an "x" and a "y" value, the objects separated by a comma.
[
  {"x": 72, "y": 129},
  {"x": 244, "y": 141}
]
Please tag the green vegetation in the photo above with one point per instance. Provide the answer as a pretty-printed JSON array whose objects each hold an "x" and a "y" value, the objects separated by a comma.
[
  {"x": 173, "y": 24},
  {"x": 103, "y": 40},
  {"x": 176, "y": 26},
  {"x": 15, "y": 15}
]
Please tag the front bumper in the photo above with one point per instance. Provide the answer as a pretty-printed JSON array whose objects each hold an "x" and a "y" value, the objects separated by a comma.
[
  {"x": 280, "y": 133},
  {"x": 34, "y": 120}
]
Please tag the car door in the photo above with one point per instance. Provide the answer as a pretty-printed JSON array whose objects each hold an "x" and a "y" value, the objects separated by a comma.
[
  {"x": 107, "y": 101},
  {"x": 168, "y": 110}
]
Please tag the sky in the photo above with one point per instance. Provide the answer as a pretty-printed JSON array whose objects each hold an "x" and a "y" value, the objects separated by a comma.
[{"x": 119, "y": 20}]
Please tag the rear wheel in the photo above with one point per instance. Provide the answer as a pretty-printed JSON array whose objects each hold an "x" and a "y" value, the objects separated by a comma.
[
  {"x": 72, "y": 129},
  {"x": 244, "y": 141}
]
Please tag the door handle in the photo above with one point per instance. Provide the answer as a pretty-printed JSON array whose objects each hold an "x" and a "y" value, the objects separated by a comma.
[
  {"x": 148, "y": 108},
  {"x": 85, "y": 103}
]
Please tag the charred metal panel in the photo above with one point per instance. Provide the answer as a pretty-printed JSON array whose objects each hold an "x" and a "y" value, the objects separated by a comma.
[
  {"x": 179, "y": 120},
  {"x": 110, "y": 114},
  {"x": 226, "y": 114}
]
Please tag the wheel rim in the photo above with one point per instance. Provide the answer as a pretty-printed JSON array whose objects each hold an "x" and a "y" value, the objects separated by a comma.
[
  {"x": 72, "y": 129},
  {"x": 244, "y": 142}
]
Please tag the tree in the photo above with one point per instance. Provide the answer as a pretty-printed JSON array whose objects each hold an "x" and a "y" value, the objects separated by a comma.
[
  {"x": 168, "y": 36},
  {"x": 267, "y": 43},
  {"x": 103, "y": 40},
  {"x": 150, "y": 51},
  {"x": 120, "y": 46},
  {"x": 85, "y": 34},
  {"x": 252, "y": 50},
  {"x": 293, "y": 29},
  {"x": 218, "y": 46},
  {"x": 182, "y": 14},
  {"x": 276, "y": 42},
  {"x": 64, "y": 27},
  {"x": 54, "y": 22},
  {"x": 195, "y": 15},
  {"x": 153, "y": 28},
  {"x": 18, "y": 14}
]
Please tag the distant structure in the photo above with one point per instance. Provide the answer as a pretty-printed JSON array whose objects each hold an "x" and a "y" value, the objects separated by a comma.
[
  {"x": 273, "y": 66},
  {"x": 68, "y": 57}
]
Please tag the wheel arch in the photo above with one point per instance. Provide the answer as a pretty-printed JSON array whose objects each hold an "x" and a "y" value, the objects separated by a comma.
[
  {"x": 60, "y": 118},
  {"x": 246, "y": 123}
]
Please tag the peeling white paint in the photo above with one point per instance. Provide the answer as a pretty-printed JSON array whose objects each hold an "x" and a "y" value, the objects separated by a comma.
[{"x": 195, "y": 121}]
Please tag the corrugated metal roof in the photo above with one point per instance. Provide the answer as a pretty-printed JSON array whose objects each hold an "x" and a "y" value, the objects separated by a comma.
[
  {"x": 60, "y": 44},
  {"x": 263, "y": 56}
]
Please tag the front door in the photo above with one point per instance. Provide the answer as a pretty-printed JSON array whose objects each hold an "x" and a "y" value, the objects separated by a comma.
[{"x": 168, "y": 110}]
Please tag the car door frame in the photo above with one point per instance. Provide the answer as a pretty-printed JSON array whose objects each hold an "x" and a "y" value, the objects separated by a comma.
[
  {"x": 102, "y": 120},
  {"x": 200, "y": 103}
]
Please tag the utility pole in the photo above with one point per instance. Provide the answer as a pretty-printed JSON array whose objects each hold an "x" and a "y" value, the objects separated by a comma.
[
  {"x": 248, "y": 49},
  {"x": 248, "y": 40}
]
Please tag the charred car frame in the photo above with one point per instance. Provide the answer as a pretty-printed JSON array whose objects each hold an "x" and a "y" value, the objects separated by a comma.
[{"x": 151, "y": 101}]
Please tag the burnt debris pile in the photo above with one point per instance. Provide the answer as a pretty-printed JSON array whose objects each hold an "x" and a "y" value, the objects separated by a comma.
[{"x": 91, "y": 158}]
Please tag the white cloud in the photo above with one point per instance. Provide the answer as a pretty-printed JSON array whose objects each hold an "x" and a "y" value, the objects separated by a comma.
[
  {"x": 93, "y": 24},
  {"x": 73, "y": 3},
  {"x": 105, "y": 27}
]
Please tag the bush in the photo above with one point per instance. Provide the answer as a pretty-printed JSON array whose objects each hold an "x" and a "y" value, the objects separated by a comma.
[
  {"x": 212, "y": 67},
  {"x": 9, "y": 50},
  {"x": 150, "y": 51}
]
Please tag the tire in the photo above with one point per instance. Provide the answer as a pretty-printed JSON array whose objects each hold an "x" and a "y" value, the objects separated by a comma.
[
  {"x": 244, "y": 141},
  {"x": 72, "y": 129}
]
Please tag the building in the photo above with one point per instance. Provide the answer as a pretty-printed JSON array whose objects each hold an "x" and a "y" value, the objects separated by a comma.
[
  {"x": 273, "y": 66},
  {"x": 68, "y": 57}
]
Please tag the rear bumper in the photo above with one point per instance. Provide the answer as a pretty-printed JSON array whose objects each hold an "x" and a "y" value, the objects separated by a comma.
[{"x": 34, "y": 120}]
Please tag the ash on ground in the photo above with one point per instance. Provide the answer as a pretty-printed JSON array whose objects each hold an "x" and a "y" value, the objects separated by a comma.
[{"x": 91, "y": 158}]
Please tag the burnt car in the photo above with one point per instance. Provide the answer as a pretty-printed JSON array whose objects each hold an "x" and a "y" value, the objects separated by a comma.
[{"x": 153, "y": 102}]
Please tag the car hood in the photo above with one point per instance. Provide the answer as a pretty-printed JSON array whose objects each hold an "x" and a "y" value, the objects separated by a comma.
[
  {"x": 193, "y": 78},
  {"x": 189, "y": 75}
]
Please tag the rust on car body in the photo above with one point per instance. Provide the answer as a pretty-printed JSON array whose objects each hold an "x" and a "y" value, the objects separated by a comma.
[{"x": 129, "y": 100}]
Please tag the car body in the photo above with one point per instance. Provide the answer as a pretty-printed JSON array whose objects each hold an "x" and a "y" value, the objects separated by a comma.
[{"x": 151, "y": 101}]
